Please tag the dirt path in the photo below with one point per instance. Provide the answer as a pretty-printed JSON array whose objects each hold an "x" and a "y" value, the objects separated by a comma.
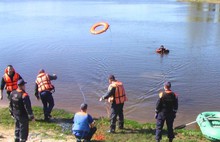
[{"x": 7, "y": 135}]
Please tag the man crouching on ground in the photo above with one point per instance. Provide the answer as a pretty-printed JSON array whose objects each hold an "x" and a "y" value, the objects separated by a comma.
[{"x": 83, "y": 127}]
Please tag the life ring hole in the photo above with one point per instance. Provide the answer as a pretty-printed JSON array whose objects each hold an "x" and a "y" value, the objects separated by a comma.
[{"x": 100, "y": 27}]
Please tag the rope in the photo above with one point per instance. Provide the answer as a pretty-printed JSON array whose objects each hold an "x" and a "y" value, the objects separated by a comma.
[{"x": 80, "y": 88}]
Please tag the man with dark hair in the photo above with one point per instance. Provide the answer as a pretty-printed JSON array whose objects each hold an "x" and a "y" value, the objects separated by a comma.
[
  {"x": 115, "y": 95},
  {"x": 9, "y": 81},
  {"x": 44, "y": 87},
  {"x": 166, "y": 108},
  {"x": 83, "y": 127},
  {"x": 21, "y": 111}
]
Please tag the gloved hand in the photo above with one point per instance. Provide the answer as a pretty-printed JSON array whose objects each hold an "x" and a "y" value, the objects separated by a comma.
[
  {"x": 156, "y": 115},
  {"x": 37, "y": 96}
]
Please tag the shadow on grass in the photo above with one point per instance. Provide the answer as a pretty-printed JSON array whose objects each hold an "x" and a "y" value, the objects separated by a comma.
[
  {"x": 56, "y": 120},
  {"x": 141, "y": 131},
  {"x": 136, "y": 131}
]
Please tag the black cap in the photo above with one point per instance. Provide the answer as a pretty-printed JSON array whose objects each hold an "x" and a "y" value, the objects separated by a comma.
[
  {"x": 41, "y": 71},
  {"x": 83, "y": 106},
  {"x": 111, "y": 77},
  {"x": 167, "y": 84},
  {"x": 21, "y": 82}
]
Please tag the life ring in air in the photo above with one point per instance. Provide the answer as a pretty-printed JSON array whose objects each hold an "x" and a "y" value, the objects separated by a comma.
[{"x": 95, "y": 32}]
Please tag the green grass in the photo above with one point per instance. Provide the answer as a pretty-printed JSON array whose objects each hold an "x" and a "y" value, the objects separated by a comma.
[
  {"x": 58, "y": 128},
  {"x": 61, "y": 125},
  {"x": 136, "y": 132}
]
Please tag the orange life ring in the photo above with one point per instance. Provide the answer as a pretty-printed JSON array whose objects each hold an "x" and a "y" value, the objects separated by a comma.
[{"x": 95, "y": 32}]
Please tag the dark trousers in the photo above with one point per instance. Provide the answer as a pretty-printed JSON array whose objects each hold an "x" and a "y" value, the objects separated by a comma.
[
  {"x": 48, "y": 103},
  {"x": 21, "y": 129},
  {"x": 88, "y": 136},
  {"x": 117, "y": 110},
  {"x": 161, "y": 118}
]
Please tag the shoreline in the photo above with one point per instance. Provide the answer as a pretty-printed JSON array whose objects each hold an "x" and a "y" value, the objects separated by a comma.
[
  {"x": 59, "y": 129},
  {"x": 180, "y": 119},
  {"x": 201, "y": 1}
]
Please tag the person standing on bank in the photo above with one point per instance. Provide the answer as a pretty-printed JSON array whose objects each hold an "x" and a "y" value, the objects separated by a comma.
[
  {"x": 83, "y": 127},
  {"x": 116, "y": 95},
  {"x": 166, "y": 108},
  {"x": 21, "y": 111},
  {"x": 9, "y": 81},
  {"x": 44, "y": 88}
]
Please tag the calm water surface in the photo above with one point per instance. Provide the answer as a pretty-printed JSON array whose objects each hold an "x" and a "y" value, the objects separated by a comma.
[{"x": 54, "y": 35}]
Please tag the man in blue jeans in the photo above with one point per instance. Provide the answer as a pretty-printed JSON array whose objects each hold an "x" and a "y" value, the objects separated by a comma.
[
  {"x": 83, "y": 127},
  {"x": 44, "y": 88}
]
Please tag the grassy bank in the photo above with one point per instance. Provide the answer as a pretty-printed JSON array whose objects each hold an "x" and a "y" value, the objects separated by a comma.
[
  {"x": 60, "y": 128},
  {"x": 207, "y": 1}
]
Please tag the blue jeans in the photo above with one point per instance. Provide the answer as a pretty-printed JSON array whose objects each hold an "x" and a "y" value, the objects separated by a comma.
[
  {"x": 48, "y": 103},
  {"x": 85, "y": 135}
]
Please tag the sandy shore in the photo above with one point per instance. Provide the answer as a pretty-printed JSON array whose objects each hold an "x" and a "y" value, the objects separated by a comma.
[{"x": 8, "y": 136}]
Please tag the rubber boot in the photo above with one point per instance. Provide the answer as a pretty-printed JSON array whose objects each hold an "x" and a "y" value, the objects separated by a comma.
[
  {"x": 121, "y": 125},
  {"x": 112, "y": 129},
  {"x": 170, "y": 140}
]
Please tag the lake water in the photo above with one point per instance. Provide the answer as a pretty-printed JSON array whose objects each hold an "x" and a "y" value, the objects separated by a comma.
[{"x": 55, "y": 35}]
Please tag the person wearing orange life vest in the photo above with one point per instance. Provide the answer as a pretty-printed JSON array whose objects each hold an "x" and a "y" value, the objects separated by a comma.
[
  {"x": 166, "y": 108},
  {"x": 9, "y": 81},
  {"x": 43, "y": 88},
  {"x": 116, "y": 95}
]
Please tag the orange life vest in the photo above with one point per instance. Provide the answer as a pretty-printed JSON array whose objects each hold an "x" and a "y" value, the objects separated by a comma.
[
  {"x": 44, "y": 83},
  {"x": 120, "y": 96},
  {"x": 11, "y": 84}
]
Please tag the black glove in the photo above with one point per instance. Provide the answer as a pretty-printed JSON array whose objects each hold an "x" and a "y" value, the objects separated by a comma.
[{"x": 37, "y": 96}]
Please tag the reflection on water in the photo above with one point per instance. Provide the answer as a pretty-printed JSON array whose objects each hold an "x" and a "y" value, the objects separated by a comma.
[{"x": 204, "y": 12}]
